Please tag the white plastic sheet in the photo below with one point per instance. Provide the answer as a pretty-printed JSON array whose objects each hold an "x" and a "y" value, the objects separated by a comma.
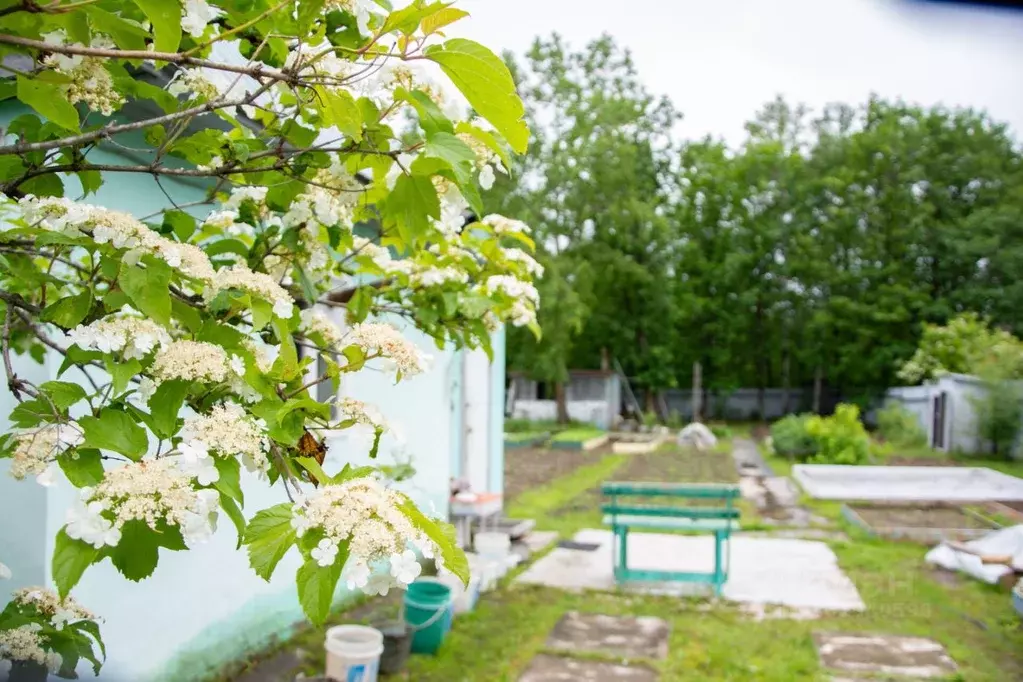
[{"x": 1004, "y": 542}]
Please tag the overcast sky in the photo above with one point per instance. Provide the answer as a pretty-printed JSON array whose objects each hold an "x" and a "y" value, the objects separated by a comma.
[{"x": 719, "y": 60}]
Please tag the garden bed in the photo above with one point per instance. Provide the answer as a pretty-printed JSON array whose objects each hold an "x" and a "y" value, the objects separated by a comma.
[
  {"x": 580, "y": 439},
  {"x": 525, "y": 439},
  {"x": 927, "y": 523},
  {"x": 625, "y": 443},
  {"x": 529, "y": 467}
]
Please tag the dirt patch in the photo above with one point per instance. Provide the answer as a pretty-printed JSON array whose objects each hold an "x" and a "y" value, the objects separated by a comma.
[
  {"x": 924, "y": 462},
  {"x": 664, "y": 466},
  {"x": 917, "y": 517},
  {"x": 526, "y": 468},
  {"x": 1015, "y": 506}
]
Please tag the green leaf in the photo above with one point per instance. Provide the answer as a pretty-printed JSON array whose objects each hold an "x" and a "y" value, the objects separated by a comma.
[
  {"x": 316, "y": 585},
  {"x": 148, "y": 288},
  {"x": 30, "y": 413},
  {"x": 406, "y": 20},
  {"x": 92, "y": 628},
  {"x": 344, "y": 113},
  {"x": 229, "y": 482},
  {"x": 441, "y": 18},
  {"x": 165, "y": 404},
  {"x": 411, "y": 204},
  {"x": 443, "y": 536},
  {"x": 138, "y": 551},
  {"x": 269, "y": 536},
  {"x": 180, "y": 223},
  {"x": 486, "y": 82},
  {"x": 126, "y": 35},
  {"x": 91, "y": 181},
  {"x": 122, "y": 372},
  {"x": 63, "y": 394},
  {"x": 287, "y": 358},
  {"x": 49, "y": 100},
  {"x": 70, "y": 311},
  {"x": 116, "y": 431},
  {"x": 314, "y": 469},
  {"x": 83, "y": 467},
  {"x": 262, "y": 313},
  {"x": 431, "y": 118},
  {"x": 230, "y": 508},
  {"x": 188, "y": 315},
  {"x": 165, "y": 15},
  {"x": 70, "y": 559}
]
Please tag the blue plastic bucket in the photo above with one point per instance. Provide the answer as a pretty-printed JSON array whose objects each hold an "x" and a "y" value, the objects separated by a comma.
[{"x": 428, "y": 613}]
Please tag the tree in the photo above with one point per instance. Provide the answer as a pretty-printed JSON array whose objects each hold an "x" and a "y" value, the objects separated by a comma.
[
  {"x": 182, "y": 354},
  {"x": 591, "y": 185}
]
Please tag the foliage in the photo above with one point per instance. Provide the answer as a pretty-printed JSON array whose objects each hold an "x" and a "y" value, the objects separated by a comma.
[
  {"x": 840, "y": 438},
  {"x": 790, "y": 437},
  {"x": 338, "y": 178},
  {"x": 899, "y": 426},
  {"x": 650, "y": 418},
  {"x": 720, "y": 431},
  {"x": 38, "y": 627},
  {"x": 579, "y": 434},
  {"x": 999, "y": 415},
  {"x": 966, "y": 345}
]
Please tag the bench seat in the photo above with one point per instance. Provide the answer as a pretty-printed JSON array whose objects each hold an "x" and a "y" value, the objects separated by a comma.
[{"x": 661, "y": 523}]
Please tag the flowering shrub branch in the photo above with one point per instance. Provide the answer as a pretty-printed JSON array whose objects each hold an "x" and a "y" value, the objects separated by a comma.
[{"x": 338, "y": 177}]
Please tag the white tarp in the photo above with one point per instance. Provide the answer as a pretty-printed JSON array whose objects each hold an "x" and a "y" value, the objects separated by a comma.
[{"x": 1004, "y": 542}]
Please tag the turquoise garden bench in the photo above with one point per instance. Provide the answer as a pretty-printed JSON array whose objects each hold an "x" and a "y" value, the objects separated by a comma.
[{"x": 717, "y": 514}]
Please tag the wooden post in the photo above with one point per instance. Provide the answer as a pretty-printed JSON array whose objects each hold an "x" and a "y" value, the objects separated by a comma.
[
  {"x": 818, "y": 378},
  {"x": 697, "y": 399},
  {"x": 560, "y": 402}
]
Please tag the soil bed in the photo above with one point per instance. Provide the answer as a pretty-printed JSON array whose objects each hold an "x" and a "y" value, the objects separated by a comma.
[
  {"x": 918, "y": 517},
  {"x": 527, "y": 468},
  {"x": 664, "y": 466}
]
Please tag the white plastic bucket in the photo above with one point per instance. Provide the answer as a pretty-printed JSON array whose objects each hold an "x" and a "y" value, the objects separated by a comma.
[
  {"x": 353, "y": 653},
  {"x": 492, "y": 545},
  {"x": 465, "y": 596}
]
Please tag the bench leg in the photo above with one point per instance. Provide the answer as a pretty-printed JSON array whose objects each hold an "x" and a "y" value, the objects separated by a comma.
[
  {"x": 718, "y": 568},
  {"x": 623, "y": 553}
]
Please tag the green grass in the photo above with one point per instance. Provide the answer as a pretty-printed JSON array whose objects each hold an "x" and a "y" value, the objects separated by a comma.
[
  {"x": 577, "y": 435},
  {"x": 524, "y": 436},
  {"x": 543, "y": 425},
  {"x": 495, "y": 642}
]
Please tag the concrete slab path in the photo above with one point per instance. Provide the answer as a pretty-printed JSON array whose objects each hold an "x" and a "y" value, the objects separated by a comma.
[
  {"x": 889, "y": 655},
  {"x": 642, "y": 637},
  {"x": 545, "y": 668},
  {"x": 788, "y": 572}
]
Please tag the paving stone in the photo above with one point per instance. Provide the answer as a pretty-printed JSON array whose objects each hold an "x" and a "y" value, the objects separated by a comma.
[
  {"x": 642, "y": 637},
  {"x": 545, "y": 668},
  {"x": 872, "y": 654}
]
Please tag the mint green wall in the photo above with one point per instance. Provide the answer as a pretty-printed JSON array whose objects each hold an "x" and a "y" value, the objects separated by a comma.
[{"x": 496, "y": 422}]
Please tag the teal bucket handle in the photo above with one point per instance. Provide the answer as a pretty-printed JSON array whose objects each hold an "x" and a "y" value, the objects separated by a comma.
[{"x": 441, "y": 611}]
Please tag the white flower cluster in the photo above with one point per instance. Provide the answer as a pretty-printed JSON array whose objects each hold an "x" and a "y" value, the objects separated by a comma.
[
  {"x": 118, "y": 229},
  {"x": 350, "y": 409},
  {"x": 261, "y": 284},
  {"x": 196, "y": 15},
  {"x": 502, "y": 225},
  {"x": 526, "y": 298},
  {"x": 383, "y": 340},
  {"x": 91, "y": 83},
  {"x": 134, "y": 336},
  {"x": 486, "y": 160},
  {"x": 434, "y": 277},
  {"x": 316, "y": 322},
  {"x": 24, "y": 643},
  {"x": 367, "y": 515},
  {"x": 228, "y": 431},
  {"x": 36, "y": 450},
  {"x": 150, "y": 491},
  {"x": 194, "y": 84},
  {"x": 196, "y": 361},
  {"x": 453, "y": 207},
  {"x": 125, "y": 232},
  {"x": 49, "y": 604},
  {"x": 520, "y": 256}
]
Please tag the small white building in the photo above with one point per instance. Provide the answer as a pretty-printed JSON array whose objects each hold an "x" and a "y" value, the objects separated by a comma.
[{"x": 946, "y": 409}]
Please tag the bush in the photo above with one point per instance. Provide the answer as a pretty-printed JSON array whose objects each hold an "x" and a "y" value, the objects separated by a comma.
[
  {"x": 899, "y": 426},
  {"x": 840, "y": 438},
  {"x": 789, "y": 437},
  {"x": 999, "y": 412},
  {"x": 720, "y": 431}
]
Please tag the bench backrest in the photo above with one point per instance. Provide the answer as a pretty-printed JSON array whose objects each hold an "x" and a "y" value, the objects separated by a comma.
[{"x": 725, "y": 494}]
